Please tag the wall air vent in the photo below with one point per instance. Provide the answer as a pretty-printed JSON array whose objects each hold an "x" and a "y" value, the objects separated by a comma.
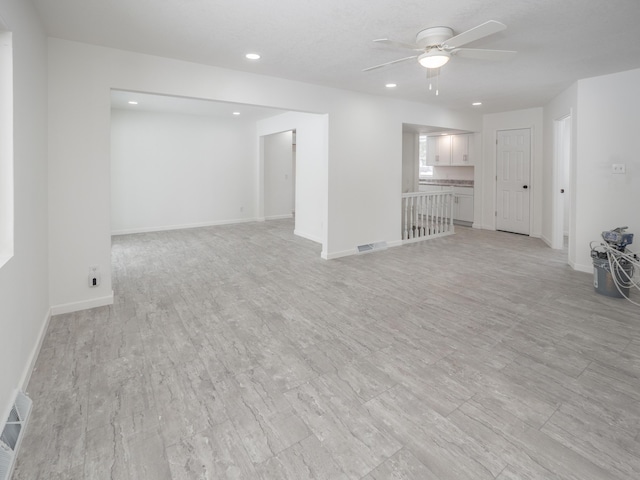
[
  {"x": 372, "y": 247},
  {"x": 12, "y": 434}
]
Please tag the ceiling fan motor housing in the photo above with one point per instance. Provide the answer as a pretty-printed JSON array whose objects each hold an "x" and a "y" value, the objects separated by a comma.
[{"x": 434, "y": 36}]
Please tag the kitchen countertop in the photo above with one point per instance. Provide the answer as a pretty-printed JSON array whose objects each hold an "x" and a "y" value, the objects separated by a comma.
[{"x": 446, "y": 182}]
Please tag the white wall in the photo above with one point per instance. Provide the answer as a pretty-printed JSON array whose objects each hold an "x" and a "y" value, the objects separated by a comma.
[
  {"x": 607, "y": 133},
  {"x": 24, "y": 299},
  {"x": 311, "y": 169},
  {"x": 531, "y": 118},
  {"x": 364, "y": 151},
  {"x": 410, "y": 162},
  {"x": 174, "y": 170},
  {"x": 278, "y": 175}
]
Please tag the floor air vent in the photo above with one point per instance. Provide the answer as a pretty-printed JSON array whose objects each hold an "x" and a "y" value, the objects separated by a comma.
[
  {"x": 371, "y": 247},
  {"x": 12, "y": 434}
]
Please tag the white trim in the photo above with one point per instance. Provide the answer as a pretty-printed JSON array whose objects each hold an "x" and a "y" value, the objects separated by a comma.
[
  {"x": 343, "y": 253},
  {"x": 279, "y": 217},
  {"x": 558, "y": 199},
  {"x": 348, "y": 253},
  {"x": 307, "y": 236},
  {"x": 546, "y": 240},
  {"x": 83, "y": 305},
  {"x": 26, "y": 374},
  {"x": 31, "y": 363},
  {"x": 581, "y": 268},
  {"x": 184, "y": 226}
]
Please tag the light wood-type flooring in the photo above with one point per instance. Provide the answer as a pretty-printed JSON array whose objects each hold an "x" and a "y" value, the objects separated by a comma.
[{"x": 236, "y": 352}]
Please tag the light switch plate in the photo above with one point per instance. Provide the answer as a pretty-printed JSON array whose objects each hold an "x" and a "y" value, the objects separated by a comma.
[{"x": 617, "y": 168}]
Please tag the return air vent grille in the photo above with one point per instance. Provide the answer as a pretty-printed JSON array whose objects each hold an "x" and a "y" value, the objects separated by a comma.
[
  {"x": 12, "y": 434},
  {"x": 370, "y": 247}
]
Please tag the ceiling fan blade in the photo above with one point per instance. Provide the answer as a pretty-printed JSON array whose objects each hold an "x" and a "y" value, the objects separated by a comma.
[
  {"x": 393, "y": 43},
  {"x": 390, "y": 63},
  {"x": 476, "y": 33},
  {"x": 483, "y": 54}
]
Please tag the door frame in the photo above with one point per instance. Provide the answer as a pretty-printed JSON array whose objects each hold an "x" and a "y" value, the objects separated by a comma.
[
  {"x": 562, "y": 131},
  {"x": 495, "y": 179}
]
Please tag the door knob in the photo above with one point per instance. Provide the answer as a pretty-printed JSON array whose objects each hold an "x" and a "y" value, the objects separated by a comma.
[
  {"x": 525, "y": 186},
  {"x": 562, "y": 190}
]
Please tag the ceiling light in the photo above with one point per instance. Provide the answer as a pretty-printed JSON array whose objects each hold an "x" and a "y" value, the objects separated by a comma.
[
  {"x": 434, "y": 58},
  {"x": 391, "y": 85},
  {"x": 252, "y": 56},
  {"x": 132, "y": 102},
  {"x": 236, "y": 113},
  {"x": 476, "y": 104}
]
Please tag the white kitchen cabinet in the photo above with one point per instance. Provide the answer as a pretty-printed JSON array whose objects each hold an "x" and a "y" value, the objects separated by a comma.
[
  {"x": 463, "y": 205},
  {"x": 439, "y": 150},
  {"x": 460, "y": 150}
]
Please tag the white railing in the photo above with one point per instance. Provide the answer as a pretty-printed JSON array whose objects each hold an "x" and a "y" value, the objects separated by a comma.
[{"x": 427, "y": 215}]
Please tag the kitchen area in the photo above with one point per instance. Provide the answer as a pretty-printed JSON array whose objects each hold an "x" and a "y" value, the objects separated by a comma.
[{"x": 436, "y": 160}]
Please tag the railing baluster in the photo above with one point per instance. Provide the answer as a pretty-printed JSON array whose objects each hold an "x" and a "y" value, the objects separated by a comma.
[
  {"x": 426, "y": 215},
  {"x": 404, "y": 218}
]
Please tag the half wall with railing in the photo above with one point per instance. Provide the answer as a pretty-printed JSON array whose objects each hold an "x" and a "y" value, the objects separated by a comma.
[{"x": 427, "y": 215}]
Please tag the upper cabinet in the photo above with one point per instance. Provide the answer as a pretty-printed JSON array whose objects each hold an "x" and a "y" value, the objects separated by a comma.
[
  {"x": 460, "y": 150},
  {"x": 439, "y": 150},
  {"x": 449, "y": 150}
]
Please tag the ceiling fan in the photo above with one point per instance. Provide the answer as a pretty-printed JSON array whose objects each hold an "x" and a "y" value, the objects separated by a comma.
[{"x": 437, "y": 44}]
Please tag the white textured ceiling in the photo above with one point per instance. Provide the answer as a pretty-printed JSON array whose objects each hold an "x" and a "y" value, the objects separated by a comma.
[{"x": 329, "y": 42}]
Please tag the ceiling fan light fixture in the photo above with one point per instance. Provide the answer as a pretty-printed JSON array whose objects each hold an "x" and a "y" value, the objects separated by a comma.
[{"x": 434, "y": 58}]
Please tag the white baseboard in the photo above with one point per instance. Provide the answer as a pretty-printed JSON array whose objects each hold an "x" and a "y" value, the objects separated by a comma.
[
  {"x": 307, "y": 236},
  {"x": 83, "y": 305},
  {"x": 278, "y": 217},
  {"x": 547, "y": 241},
  {"x": 129, "y": 231},
  {"x": 334, "y": 255},
  {"x": 35, "y": 351},
  {"x": 581, "y": 268},
  {"x": 347, "y": 253}
]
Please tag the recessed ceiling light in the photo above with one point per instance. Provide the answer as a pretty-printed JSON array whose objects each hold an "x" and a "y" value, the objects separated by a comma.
[
  {"x": 252, "y": 56},
  {"x": 236, "y": 113},
  {"x": 476, "y": 104},
  {"x": 391, "y": 85},
  {"x": 132, "y": 102}
]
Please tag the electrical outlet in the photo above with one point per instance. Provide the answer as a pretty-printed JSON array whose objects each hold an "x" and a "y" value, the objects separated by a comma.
[
  {"x": 94, "y": 276},
  {"x": 618, "y": 168}
]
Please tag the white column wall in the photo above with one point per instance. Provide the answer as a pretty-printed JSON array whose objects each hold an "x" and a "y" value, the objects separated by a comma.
[
  {"x": 24, "y": 298},
  {"x": 174, "y": 171},
  {"x": 311, "y": 169},
  {"x": 364, "y": 153},
  {"x": 410, "y": 162},
  {"x": 607, "y": 124}
]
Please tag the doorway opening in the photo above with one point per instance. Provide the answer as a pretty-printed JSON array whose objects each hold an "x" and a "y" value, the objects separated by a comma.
[
  {"x": 279, "y": 175},
  {"x": 561, "y": 183}
]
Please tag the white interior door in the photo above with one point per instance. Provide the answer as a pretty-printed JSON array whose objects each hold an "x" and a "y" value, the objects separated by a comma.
[{"x": 513, "y": 167}]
